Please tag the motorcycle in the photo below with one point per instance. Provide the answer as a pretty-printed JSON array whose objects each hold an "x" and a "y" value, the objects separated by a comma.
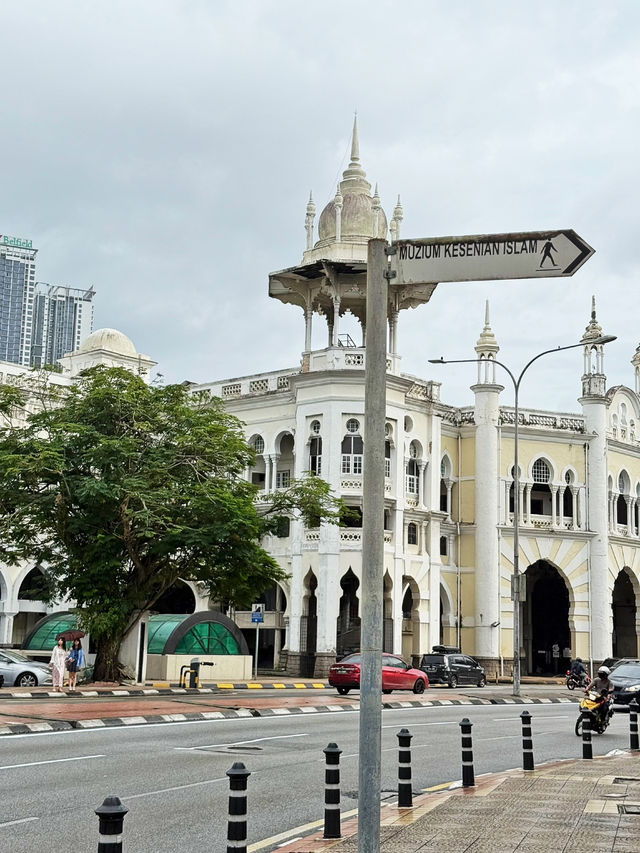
[
  {"x": 601, "y": 716},
  {"x": 574, "y": 680}
]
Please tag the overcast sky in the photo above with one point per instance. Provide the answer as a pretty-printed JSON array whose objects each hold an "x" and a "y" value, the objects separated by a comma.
[{"x": 163, "y": 152}]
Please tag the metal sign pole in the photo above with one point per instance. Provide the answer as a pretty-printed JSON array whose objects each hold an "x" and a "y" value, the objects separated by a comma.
[
  {"x": 372, "y": 551},
  {"x": 255, "y": 655}
]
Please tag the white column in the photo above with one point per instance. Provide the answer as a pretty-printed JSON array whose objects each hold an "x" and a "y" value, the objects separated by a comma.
[
  {"x": 6, "y": 627},
  {"x": 274, "y": 471},
  {"x": 528, "y": 503},
  {"x": 336, "y": 321},
  {"x": 595, "y": 412},
  {"x": 308, "y": 319},
  {"x": 574, "y": 505},
  {"x": 554, "y": 505},
  {"x": 630, "y": 503},
  {"x": 267, "y": 472},
  {"x": 487, "y": 574},
  {"x": 421, "y": 467}
]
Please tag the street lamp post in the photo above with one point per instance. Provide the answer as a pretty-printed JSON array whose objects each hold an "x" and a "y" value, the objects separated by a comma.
[{"x": 603, "y": 339}]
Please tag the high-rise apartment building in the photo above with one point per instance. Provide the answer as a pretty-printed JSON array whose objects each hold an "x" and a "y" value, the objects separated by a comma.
[
  {"x": 17, "y": 288},
  {"x": 63, "y": 319}
]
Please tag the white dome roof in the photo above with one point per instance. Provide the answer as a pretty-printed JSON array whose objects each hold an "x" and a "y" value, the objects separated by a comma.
[{"x": 110, "y": 340}]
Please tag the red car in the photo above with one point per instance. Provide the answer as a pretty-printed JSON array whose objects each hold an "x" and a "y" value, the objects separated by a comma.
[{"x": 396, "y": 675}]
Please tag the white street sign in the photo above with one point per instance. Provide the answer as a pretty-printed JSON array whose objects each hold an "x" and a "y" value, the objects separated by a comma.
[{"x": 482, "y": 257}]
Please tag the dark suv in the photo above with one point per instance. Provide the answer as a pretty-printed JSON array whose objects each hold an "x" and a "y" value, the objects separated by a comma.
[{"x": 452, "y": 668}]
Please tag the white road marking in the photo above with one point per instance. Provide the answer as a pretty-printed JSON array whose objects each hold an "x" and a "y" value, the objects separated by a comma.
[
  {"x": 501, "y": 737},
  {"x": 15, "y": 822},
  {"x": 546, "y": 717},
  {"x": 51, "y": 761},
  {"x": 236, "y": 742},
  {"x": 175, "y": 788},
  {"x": 416, "y": 725}
]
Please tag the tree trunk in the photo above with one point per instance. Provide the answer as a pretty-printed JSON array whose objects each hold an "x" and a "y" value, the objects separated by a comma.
[{"x": 107, "y": 667}]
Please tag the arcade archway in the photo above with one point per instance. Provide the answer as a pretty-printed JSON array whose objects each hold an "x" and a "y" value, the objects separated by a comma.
[
  {"x": 623, "y": 605},
  {"x": 546, "y": 634}
]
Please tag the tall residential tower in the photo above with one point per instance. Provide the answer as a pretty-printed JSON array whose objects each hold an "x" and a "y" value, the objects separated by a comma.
[
  {"x": 63, "y": 320},
  {"x": 17, "y": 287}
]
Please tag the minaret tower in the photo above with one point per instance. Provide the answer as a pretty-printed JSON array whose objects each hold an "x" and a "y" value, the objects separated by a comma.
[
  {"x": 594, "y": 406},
  {"x": 394, "y": 225},
  {"x": 309, "y": 220},
  {"x": 487, "y": 574},
  {"x": 635, "y": 361}
]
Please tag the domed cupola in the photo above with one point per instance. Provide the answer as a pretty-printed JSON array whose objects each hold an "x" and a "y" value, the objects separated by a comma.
[{"x": 352, "y": 217}]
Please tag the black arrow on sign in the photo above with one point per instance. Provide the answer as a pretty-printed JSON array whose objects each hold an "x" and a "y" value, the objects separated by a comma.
[{"x": 584, "y": 249}]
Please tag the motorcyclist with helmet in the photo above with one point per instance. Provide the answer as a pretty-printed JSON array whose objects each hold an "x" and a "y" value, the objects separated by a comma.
[{"x": 602, "y": 685}]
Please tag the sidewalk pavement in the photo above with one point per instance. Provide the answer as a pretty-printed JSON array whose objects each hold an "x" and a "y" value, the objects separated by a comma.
[
  {"x": 583, "y": 806},
  {"x": 23, "y": 711}
]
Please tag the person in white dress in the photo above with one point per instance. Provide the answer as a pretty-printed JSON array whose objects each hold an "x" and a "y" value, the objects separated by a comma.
[{"x": 58, "y": 658}]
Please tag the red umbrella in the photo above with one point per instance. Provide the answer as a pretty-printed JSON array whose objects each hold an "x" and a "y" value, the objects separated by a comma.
[{"x": 70, "y": 635}]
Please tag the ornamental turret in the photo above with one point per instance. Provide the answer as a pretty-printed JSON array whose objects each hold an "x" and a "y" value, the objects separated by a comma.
[
  {"x": 398, "y": 216},
  {"x": 594, "y": 381},
  {"x": 635, "y": 361},
  {"x": 309, "y": 220},
  {"x": 351, "y": 218}
]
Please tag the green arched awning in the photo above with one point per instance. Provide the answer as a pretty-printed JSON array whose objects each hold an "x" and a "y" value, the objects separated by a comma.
[
  {"x": 44, "y": 632},
  {"x": 205, "y": 633}
]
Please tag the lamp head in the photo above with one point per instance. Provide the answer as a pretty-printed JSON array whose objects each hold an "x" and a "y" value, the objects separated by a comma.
[{"x": 603, "y": 339}]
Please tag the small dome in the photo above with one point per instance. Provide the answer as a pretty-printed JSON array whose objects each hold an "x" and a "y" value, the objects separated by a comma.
[
  {"x": 357, "y": 219},
  {"x": 110, "y": 340}
]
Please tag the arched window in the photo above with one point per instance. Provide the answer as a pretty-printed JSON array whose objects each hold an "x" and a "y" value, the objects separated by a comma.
[
  {"x": 412, "y": 534},
  {"x": 258, "y": 472},
  {"x": 621, "y": 502},
  {"x": 540, "y": 491},
  {"x": 445, "y": 493},
  {"x": 315, "y": 455},
  {"x": 412, "y": 477},
  {"x": 540, "y": 471},
  {"x": 387, "y": 459},
  {"x": 567, "y": 496},
  {"x": 352, "y": 452}
]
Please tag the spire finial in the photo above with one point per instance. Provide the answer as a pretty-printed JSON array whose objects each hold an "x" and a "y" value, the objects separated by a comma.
[
  {"x": 487, "y": 342},
  {"x": 355, "y": 146},
  {"x": 594, "y": 329}
]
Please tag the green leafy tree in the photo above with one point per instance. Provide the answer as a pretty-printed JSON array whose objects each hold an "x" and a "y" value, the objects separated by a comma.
[{"x": 119, "y": 488}]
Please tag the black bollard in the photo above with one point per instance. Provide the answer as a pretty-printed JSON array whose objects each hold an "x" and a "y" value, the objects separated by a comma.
[
  {"x": 527, "y": 742},
  {"x": 587, "y": 719},
  {"x": 633, "y": 724},
  {"x": 468, "y": 780},
  {"x": 405, "y": 790},
  {"x": 237, "y": 826},
  {"x": 332, "y": 791},
  {"x": 111, "y": 814}
]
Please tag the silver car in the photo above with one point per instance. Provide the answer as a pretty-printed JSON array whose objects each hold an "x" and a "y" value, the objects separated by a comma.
[{"x": 20, "y": 671}]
